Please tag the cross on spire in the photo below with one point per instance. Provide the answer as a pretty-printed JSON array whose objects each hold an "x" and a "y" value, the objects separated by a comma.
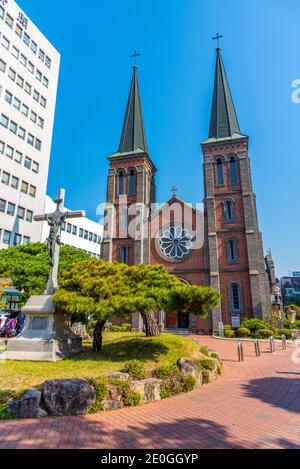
[
  {"x": 217, "y": 38},
  {"x": 174, "y": 190},
  {"x": 135, "y": 55}
]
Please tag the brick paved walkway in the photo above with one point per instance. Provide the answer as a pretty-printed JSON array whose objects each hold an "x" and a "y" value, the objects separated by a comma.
[{"x": 256, "y": 404}]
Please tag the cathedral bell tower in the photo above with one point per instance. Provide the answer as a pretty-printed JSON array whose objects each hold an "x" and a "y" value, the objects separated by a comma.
[
  {"x": 236, "y": 260},
  {"x": 130, "y": 190}
]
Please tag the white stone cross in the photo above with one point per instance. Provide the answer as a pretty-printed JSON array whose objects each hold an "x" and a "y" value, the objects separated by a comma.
[{"x": 55, "y": 221}]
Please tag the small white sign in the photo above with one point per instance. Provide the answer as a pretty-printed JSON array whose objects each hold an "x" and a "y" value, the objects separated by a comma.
[{"x": 236, "y": 322}]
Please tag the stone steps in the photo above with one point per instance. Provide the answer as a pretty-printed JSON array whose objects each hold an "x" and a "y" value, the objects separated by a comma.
[{"x": 183, "y": 332}]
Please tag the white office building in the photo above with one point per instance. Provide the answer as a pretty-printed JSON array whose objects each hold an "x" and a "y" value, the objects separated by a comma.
[
  {"x": 80, "y": 233},
  {"x": 29, "y": 69}
]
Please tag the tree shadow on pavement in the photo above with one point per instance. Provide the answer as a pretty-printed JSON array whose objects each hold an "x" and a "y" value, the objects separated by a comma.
[
  {"x": 279, "y": 392},
  {"x": 89, "y": 433}
]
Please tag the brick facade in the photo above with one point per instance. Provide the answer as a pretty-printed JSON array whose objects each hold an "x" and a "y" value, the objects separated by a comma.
[{"x": 230, "y": 259}]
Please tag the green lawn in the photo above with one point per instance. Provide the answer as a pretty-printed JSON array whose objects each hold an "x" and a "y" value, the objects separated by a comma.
[{"x": 118, "y": 348}]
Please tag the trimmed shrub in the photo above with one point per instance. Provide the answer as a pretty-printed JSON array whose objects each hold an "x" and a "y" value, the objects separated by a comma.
[
  {"x": 265, "y": 333},
  {"x": 255, "y": 325},
  {"x": 135, "y": 369},
  {"x": 243, "y": 332},
  {"x": 163, "y": 372},
  {"x": 227, "y": 327},
  {"x": 5, "y": 396},
  {"x": 189, "y": 383},
  {"x": 117, "y": 329},
  {"x": 220, "y": 368},
  {"x": 216, "y": 356},
  {"x": 287, "y": 332},
  {"x": 132, "y": 399},
  {"x": 174, "y": 381},
  {"x": 229, "y": 333},
  {"x": 296, "y": 325},
  {"x": 204, "y": 350},
  {"x": 205, "y": 375},
  {"x": 207, "y": 364},
  {"x": 101, "y": 388}
]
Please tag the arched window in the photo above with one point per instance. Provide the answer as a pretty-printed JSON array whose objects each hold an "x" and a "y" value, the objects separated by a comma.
[
  {"x": 232, "y": 251},
  {"x": 235, "y": 298},
  {"x": 152, "y": 190},
  {"x": 219, "y": 172},
  {"x": 233, "y": 171},
  {"x": 132, "y": 182},
  {"x": 123, "y": 254},
  {"x": 229, "y": 211},
  {"x": 121, "y": 182}
]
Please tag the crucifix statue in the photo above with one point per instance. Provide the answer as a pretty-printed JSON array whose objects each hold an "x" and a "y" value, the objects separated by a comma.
[{"x": 55, "y": 221}]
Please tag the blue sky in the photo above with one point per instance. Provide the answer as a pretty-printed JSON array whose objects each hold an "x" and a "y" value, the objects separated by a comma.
[{"x": 261, "y": 56}]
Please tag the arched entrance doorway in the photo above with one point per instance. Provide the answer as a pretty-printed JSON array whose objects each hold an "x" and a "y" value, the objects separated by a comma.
[{"x": 177, "y": 319}]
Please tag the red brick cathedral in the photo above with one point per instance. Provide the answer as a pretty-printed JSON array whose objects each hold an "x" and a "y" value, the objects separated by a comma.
[{"x": 230, "y": 258}]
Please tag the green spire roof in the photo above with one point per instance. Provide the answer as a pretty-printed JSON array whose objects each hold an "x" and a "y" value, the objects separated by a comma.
[
  {"x": 133, "y": 134},
  {"x": 223, "y": 123}
]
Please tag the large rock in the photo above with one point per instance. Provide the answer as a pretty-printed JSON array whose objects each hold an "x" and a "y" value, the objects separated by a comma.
[
  {"x": 114, "y": 394},
  {"x": 109, "y": 404},
  {"x": 148, "y": 388},
  {"x": 68, "y": 396},
  {"x": 119, "y": 375},
  {"x": 28, "y": 407},
  {"x": 189, "y": 367}
]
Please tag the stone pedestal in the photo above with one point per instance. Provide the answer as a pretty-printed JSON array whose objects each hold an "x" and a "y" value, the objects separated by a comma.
[{"x": 47, "y": 335}]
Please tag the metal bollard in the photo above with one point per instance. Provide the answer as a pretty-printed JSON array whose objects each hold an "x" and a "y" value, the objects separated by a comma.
[
  {"x": 240, "y": 351},
  {"x": 257, "y": 347},
  {"x": 272, "y": 344},
  {"x": 294, "y": 337},
  {"x": 283, "y": 339}
]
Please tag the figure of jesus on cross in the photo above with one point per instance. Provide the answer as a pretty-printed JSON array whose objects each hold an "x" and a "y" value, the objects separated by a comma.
[{"x": 55, "y": 221}]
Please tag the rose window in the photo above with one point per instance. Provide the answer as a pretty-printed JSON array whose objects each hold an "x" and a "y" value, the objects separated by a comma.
[{"x": 176, "y": 243}]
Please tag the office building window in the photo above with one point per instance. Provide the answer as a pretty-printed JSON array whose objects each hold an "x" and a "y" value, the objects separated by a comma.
[
  {"x": 22, "y": 133},
  {"x": 6, "y": 237},
  {"x": 10, "y": 209},
  {"x": 4, "y": 121},
  {"x": 24, "y": 187},
  {"x": 2, "y": 66},
  {"x": 21, "y": 212},
  {"x": 14, "y": 182},
  {"x": 5, "y": 42},
  {"x": 29, "y": 216},
  {"x": 32, "y": 191},
  {"x": 9, "y": 151},
  {"x": 2, "y": 205},
  {"x": 15, "y": 52},
  {"x": 34, "y": 47},
  {"x": 8, "y": 97},
  {"x": 12, "y": 74},
  {"x": 19, "y": 30},
  {"x": 26, "y": 39},
  {"x": 27, "y": 162},
  {"x": 9, "y": 21},
  {"x": 26, "y": 240},
  {"x": 18, "y": 157},
  {"x": 17, "y": 239},
  {"x": 13, "y": 127},
  {"x": 5, "y": 178}
]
